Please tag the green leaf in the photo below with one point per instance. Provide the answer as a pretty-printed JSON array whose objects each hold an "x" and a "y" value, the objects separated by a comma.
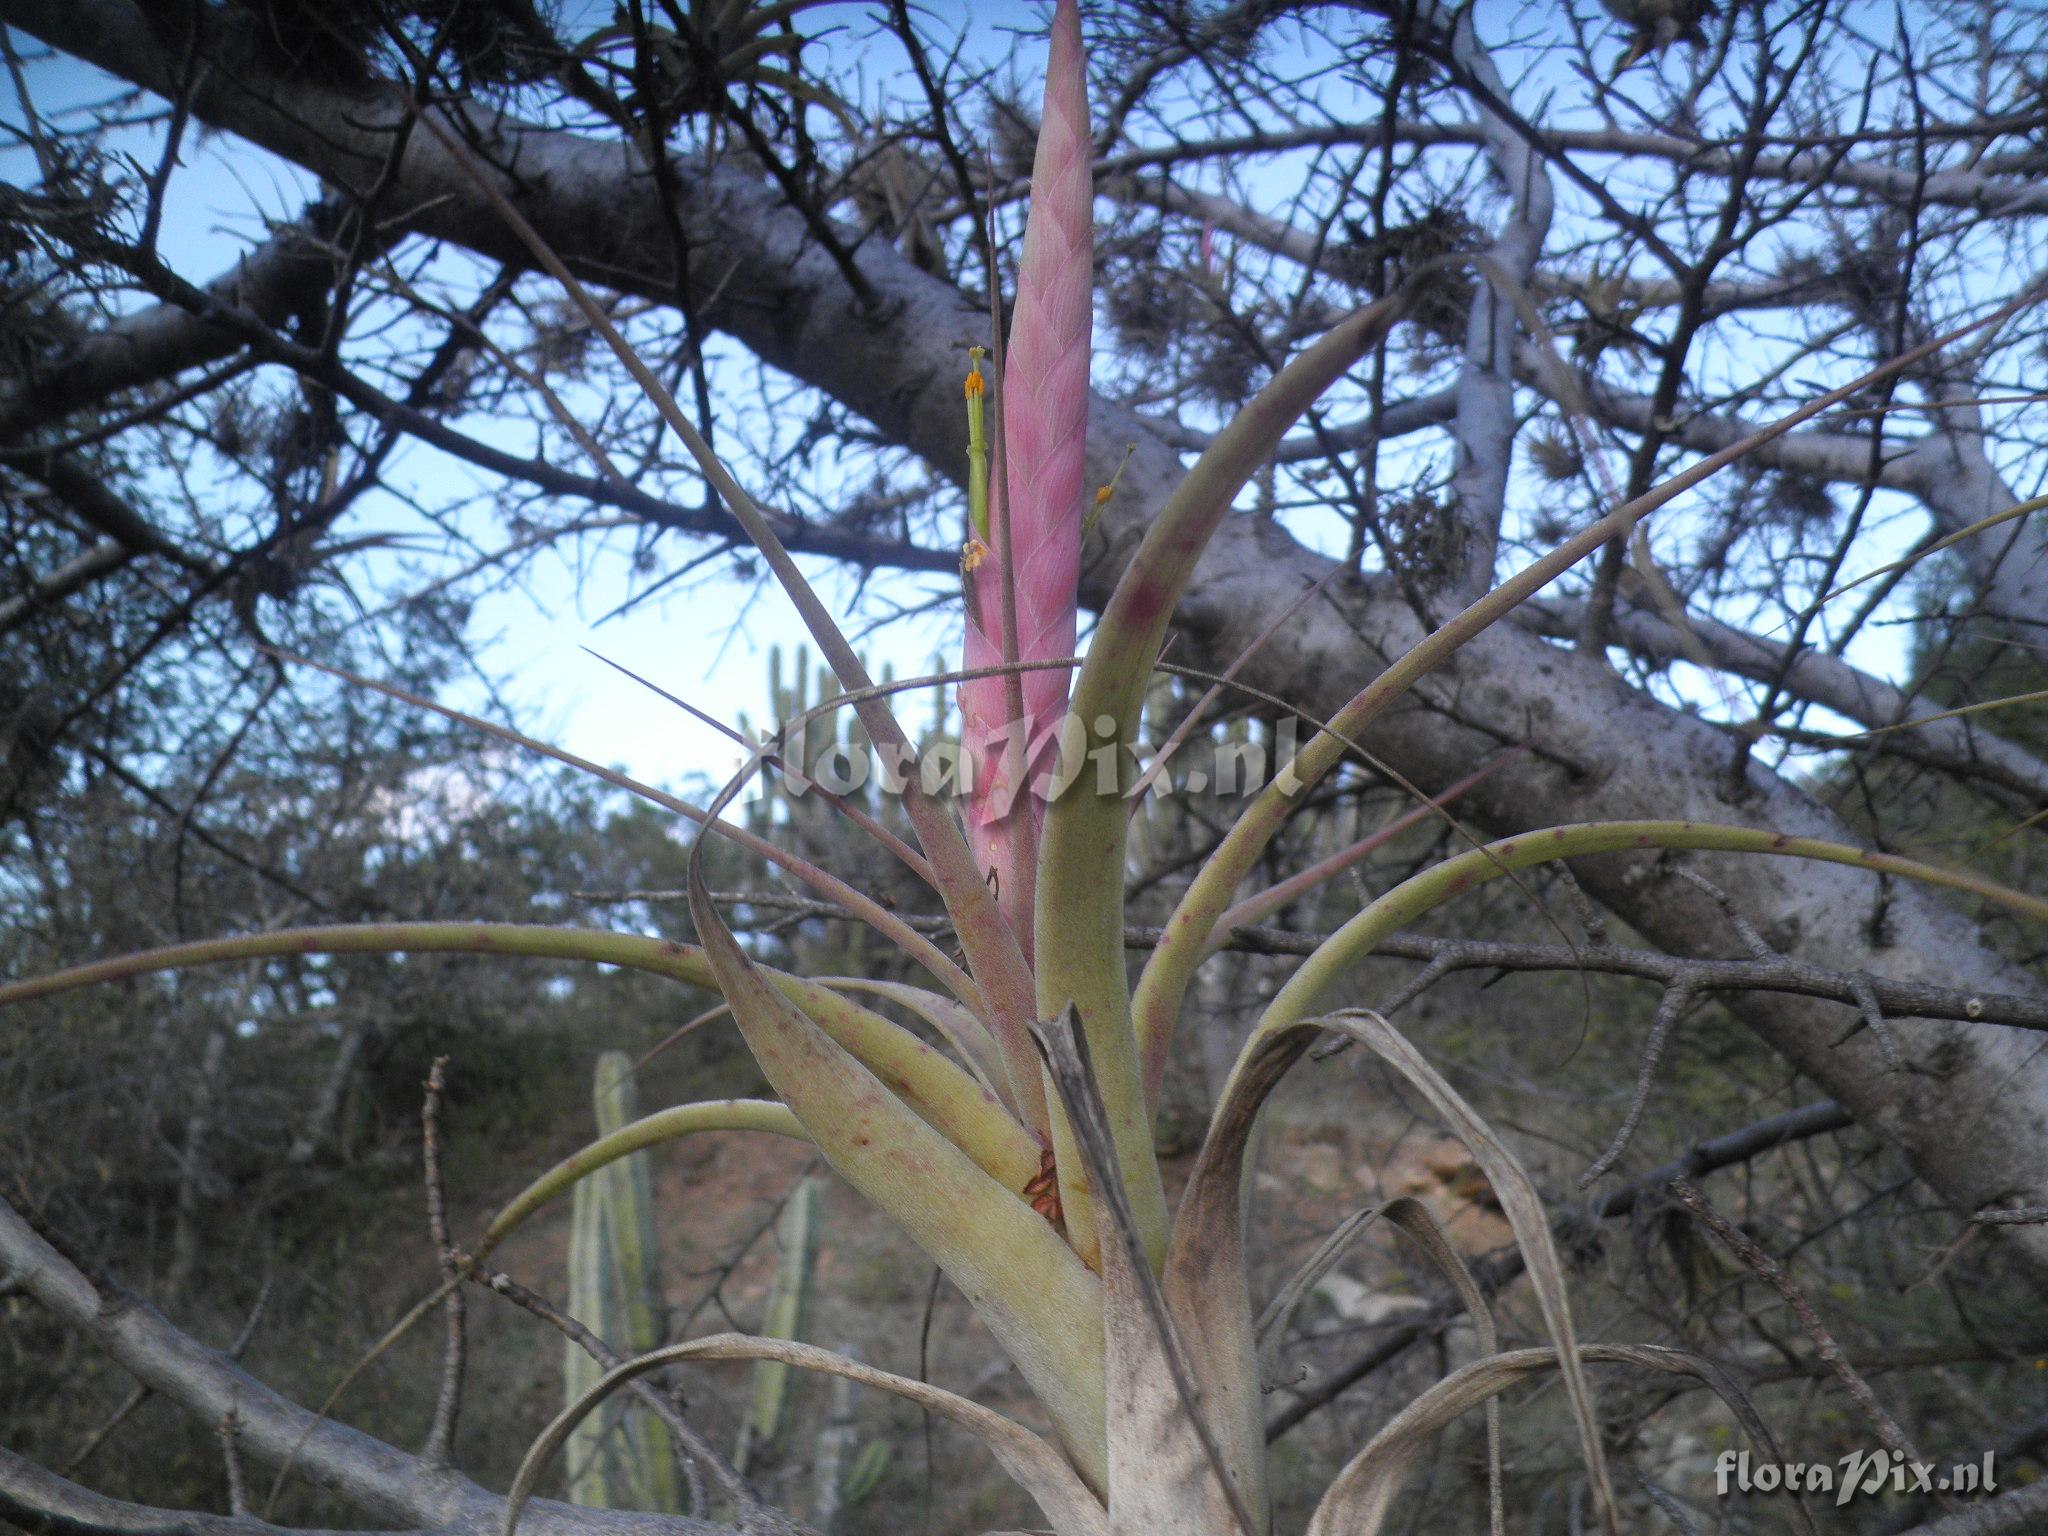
[
  {"x": 942, "y": 1092},
  {"x": 1168, "y": 1469},
  {"x": 649, "y": 1131},
  {"x": 1080, "y": 916},
  {"x": 1040, "y": 1301},
  {"x": 1438, "y": 884},
  {"x": 960, "y": 1028}
]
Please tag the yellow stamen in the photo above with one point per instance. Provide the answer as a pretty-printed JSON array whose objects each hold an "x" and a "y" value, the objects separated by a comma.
[{"x": 1104, "y": 494}]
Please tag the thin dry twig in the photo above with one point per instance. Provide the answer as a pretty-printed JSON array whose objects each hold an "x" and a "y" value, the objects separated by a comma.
[
  {"x": 439, "y": 1447},
  {"x": 229, "y": 1429},
  {"x": 1773, "y": 1273},
  {"x": 1744, "y": 929},
  {"x": 1670, "y": 1007},
  {"x": 2018, "y": 1216},
  {"x": 694, "y": 1451}
]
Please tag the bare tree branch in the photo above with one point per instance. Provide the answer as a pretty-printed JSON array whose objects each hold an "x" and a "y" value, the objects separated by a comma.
[
  {"x": 45, "y": 1504},
  {"x": 381, "y": 1480}
]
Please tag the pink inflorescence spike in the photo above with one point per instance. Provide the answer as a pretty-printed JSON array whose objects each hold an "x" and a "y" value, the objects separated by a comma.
[{"x": 1045, "y": 436}]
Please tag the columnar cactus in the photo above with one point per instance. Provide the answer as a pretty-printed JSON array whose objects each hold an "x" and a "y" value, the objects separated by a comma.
[
  {"x": 619, "y": 1459},
  {"x": 789, "y": 1300}
]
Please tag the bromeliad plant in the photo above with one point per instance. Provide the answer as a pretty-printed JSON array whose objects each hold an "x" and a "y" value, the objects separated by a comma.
[{"x": 1020, "y": 1156}]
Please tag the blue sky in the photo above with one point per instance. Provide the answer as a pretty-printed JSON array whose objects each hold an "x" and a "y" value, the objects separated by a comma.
[{"x": 706, "y": 640}]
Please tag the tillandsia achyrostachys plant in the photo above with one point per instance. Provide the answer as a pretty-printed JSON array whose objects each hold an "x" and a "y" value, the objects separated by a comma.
[{"x": 1022, "y": 1160}]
